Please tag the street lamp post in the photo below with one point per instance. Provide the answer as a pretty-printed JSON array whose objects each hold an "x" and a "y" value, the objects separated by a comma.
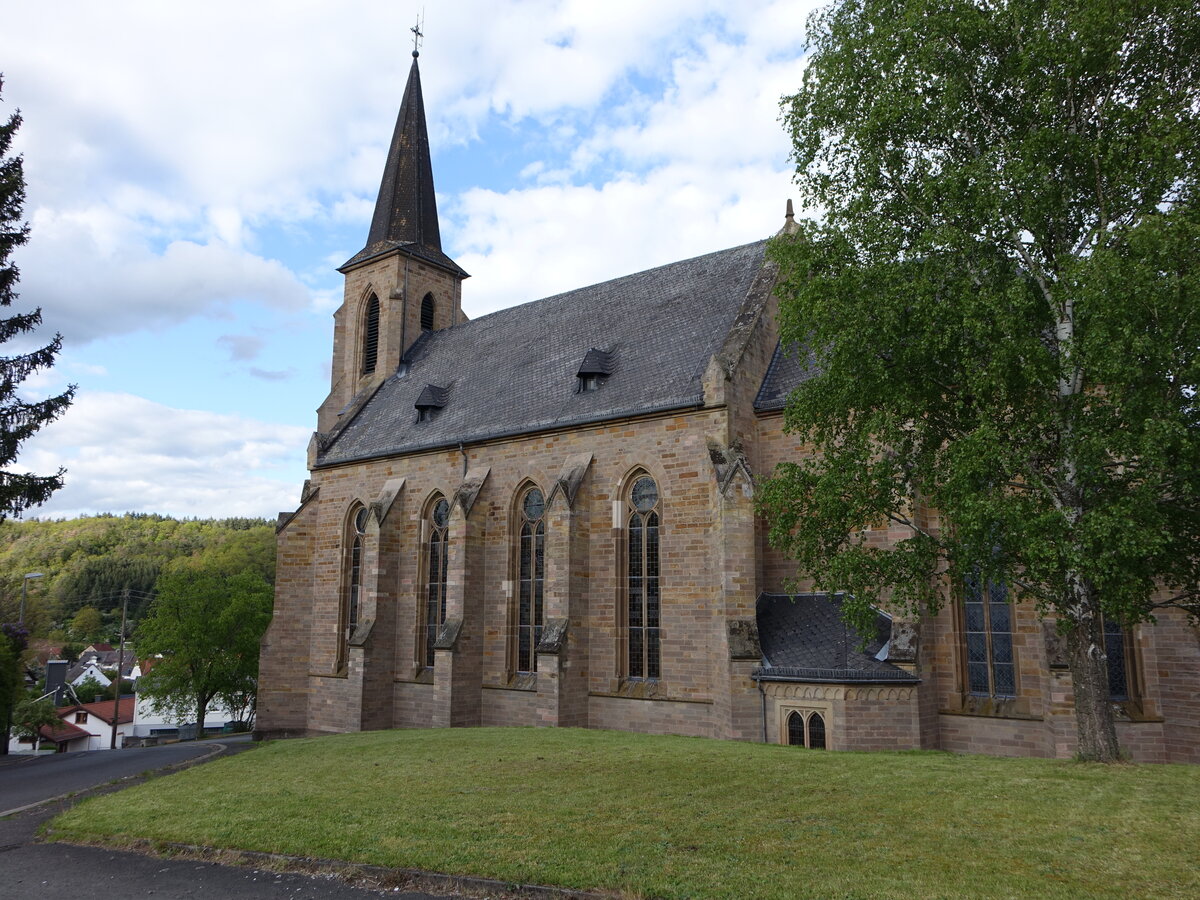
[{"x": 24, "y": 591}]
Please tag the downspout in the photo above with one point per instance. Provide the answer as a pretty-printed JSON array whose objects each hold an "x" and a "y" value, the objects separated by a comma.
[{"x": 763, "y": 695}]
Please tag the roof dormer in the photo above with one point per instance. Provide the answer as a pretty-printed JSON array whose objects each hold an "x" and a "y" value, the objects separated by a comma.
[
  {"x": 431, "y": 399},
  {"x": 597, "y": 365}
]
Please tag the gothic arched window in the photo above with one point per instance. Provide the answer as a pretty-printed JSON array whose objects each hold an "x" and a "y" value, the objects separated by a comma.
[
  {"x": 427, "y": 313},
  {"x": 531, "y": 576},
  {"x": 642, "y": 582},
  {"x": 795, "y": 729},
  {"x": 435, "y": 579},
  {"x": 806, "y": 729},
  {"x": 370, "y": 336},
  {"x": 352, "y": 581}
]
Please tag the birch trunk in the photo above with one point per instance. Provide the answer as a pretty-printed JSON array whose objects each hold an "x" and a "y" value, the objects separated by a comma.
[{"x": 1088, "y": 661}]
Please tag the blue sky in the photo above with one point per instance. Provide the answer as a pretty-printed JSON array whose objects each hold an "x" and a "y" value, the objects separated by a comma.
[{"x": 196, "y": 172}]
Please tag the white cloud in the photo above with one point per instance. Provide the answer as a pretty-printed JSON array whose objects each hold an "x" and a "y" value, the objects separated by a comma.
[
  {"x": 124, "y": 453},
  {"x": 217, "y": 161},
  {"x": 241, "y": 347},
  {"x": 92, "y": 284},
  {"x": 527, "y": 244}
]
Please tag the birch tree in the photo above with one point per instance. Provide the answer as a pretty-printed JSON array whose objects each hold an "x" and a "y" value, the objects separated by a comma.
[{"x": 1000, "y": 290}]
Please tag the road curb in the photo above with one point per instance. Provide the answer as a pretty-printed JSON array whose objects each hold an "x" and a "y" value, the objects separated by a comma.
[
  {"x": 79, "y": 795},
  {"x": 359, "y": 874}
]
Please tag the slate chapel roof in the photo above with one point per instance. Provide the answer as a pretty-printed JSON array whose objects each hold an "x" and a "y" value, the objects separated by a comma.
[
  {"x": 790, "y": 365},
  {"x": 804, "y": 638},
  {"x": 514, "y": 371}
]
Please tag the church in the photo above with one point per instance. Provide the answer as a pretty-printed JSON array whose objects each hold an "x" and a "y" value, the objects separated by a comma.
[{"x": 545, "y": 516}]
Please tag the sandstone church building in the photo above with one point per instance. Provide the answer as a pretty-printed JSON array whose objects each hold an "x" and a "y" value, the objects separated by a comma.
[{"x": 545, "y": 516}]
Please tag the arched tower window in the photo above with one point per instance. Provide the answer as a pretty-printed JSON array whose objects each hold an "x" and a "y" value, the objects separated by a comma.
[
  {"x": 435, "y": 582},
  {"x": 531, "y": 577},
  {"x": 352, "y": 581},
  {"x": 370, "y": 336},
  {"x": 643, "y": 607},
  {"x": 427, "y": 313}
]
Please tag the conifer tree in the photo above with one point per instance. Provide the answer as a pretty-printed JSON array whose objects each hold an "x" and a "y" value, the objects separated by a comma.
[{"x": 20, "y": 419}]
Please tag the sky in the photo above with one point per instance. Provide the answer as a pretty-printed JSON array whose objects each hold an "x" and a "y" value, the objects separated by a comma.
[{"x": 196, "y": 172}]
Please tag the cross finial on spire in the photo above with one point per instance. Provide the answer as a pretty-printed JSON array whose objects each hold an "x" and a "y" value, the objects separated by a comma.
[{"x": 417, "y": 35}]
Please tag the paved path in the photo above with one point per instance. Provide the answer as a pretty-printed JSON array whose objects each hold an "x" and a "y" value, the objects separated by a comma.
[{"x": 35, "y": 871}]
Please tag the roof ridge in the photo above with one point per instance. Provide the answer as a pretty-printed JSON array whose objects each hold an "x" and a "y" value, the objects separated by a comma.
[{"x": 591, "y": 287}]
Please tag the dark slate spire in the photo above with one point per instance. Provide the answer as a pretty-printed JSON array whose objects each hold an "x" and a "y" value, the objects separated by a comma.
[{"x": 406, "y": 210}]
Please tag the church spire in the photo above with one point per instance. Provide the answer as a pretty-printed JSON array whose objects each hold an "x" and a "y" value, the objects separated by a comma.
[
  {"x": 406, "y": 217},
  {"x": 406, "y": 211}
]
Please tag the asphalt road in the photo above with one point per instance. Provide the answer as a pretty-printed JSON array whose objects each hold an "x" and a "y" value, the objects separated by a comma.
[
  {"x": 31, "y": 870},
  {"x": 29, "y": 779}
]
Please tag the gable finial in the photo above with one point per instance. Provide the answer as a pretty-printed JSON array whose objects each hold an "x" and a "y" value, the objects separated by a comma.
[
  {"x": 789, "y": 220},
  {"x": 417, "y": 35}
]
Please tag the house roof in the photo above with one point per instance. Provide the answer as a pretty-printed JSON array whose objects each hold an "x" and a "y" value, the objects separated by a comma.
[
  {"x": 62, "y": 732},
  {"x": 514, "y": 371},
  {"x": 804, "y": 638},
  {"x": 104, "y": 710}
]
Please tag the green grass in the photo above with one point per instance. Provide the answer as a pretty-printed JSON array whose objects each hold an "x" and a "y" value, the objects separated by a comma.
[{"x": 682, "y": 817}]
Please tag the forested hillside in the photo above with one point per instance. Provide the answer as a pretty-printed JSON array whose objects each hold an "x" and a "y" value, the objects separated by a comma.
[{"x": 87, "y": 563}]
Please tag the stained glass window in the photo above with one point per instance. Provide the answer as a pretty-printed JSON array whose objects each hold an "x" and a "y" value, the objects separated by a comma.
[
  {"x": 806, "y": 730},
  {"x": 644, "y": 599},
  {"x": 816, "y": 731},
  {"x": 795, "y": 729},
  {"x": 1118, "y": 672},
  {"x": 353, "y": 583},
  {"x": 435, "y": 585},
  {"x": 531, "y": 579},
  {"x": 987, "y": 628}
]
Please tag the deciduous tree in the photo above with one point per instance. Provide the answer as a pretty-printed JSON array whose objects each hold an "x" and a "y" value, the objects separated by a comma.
[
  {"x": 206, "y": 624},
  {"x": 29, "y": 717},
  {"x": 1001, "y": 305}
]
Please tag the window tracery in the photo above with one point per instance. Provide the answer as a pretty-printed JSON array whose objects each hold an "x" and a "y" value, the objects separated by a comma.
[
  {"x": 531, "y": 576},
  {"x": 437, "y": 559},
  {"x": 643, "y": 606}
]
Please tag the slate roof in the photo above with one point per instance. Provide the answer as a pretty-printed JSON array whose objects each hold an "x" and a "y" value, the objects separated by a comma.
[
  {"x": 405, "y": 215},
  {"x": 804, "y": 638},
  {"x": 514, "y": 371},
  {"x": 789, "y": 366}
]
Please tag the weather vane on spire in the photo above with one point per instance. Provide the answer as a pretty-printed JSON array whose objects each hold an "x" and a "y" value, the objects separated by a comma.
[{"x": 417, "y": 35}]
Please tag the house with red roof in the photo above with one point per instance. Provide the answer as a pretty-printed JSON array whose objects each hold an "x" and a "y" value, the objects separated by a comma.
[{"x": 84, "y": 726}]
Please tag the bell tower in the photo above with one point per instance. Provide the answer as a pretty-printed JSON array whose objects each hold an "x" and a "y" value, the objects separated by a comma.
[{"x": 400, "y": 284}]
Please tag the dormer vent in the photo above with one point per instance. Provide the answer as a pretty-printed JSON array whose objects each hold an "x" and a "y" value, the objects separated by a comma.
[
  {"x": 597, "y": 365},
  {"x": 431, "y": 399}
]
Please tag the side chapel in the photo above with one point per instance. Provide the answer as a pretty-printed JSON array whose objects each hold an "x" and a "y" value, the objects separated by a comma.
[{"x": 545, "y": 516}]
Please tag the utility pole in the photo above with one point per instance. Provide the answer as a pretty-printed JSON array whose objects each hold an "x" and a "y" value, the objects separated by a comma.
[
  {"x": 112, "y": 744},
  {"x": 24, "y": 591}
]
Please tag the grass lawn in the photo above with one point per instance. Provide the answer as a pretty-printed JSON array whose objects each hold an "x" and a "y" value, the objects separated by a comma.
[{"x": 682, "y": 817}]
